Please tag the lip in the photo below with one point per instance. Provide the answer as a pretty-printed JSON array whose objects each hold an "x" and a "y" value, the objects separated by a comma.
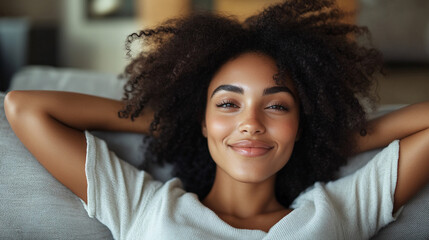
[{"x": 251, "y": 148}]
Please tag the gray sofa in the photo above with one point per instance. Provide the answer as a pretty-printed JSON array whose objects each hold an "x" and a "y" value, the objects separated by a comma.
[{"x": 33, "y": 205}]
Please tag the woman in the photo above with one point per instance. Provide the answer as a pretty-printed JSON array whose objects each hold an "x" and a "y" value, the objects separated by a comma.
[{"x": 254, "y": 116}]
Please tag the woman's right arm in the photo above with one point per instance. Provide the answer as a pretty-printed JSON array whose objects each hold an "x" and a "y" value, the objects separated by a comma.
[{"x": 51, "y": 124}]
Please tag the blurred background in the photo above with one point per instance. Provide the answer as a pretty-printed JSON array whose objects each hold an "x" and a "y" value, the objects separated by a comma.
[{"x": 90, "y": 35}]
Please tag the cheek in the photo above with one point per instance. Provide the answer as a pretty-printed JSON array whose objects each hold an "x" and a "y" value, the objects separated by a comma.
[
  {"x": 218, "y": 127},
  {"x": 283, "y": 131}
]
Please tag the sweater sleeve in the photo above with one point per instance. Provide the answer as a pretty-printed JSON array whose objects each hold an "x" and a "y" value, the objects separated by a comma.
[
  {"x": 364, "y": 200},
  {"x": 117, "y": 192}
]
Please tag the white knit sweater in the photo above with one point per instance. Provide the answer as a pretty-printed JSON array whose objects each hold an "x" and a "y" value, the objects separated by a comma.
[{"x": 133, "y": 206}]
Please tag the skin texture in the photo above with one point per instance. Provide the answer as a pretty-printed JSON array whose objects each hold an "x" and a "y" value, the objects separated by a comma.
[
  {"x": 231, "y": 120},
  {"x": 234, "y": 117}
]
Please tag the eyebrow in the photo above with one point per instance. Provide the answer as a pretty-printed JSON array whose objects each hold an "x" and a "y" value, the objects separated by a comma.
[
  {"x": 229, "y": 88},
  {"x": 272, "y": 90},
  {"x": 267, "y": 91}
]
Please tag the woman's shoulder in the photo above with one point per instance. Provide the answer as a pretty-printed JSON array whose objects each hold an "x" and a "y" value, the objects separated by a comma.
[
  {"x": 366, "y": 194},
  {"x": 360, "y": 171}
]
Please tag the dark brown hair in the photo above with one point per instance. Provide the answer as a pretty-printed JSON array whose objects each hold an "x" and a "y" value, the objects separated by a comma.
[{"x": 309, "y": 43}]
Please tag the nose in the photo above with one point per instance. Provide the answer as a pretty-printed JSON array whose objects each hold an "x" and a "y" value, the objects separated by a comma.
[{"x": 251, "y": 123}]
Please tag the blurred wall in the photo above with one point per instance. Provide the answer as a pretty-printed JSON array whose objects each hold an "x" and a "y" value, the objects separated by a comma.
[
  {"x": 28, "y": 35},
  {"x": 93, "y": 44},
  {"x": 81, "y": 43},
  {"x": 245, "y": 8},
  {"x": 39, "y": 11},
  {"x": 400, "y": 28}
]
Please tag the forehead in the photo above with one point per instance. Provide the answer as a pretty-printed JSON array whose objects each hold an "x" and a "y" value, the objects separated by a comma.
[{"x": 250, "y": 71}]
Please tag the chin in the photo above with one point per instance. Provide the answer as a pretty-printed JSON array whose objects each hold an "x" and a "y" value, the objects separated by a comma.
[{"x": 250, "y": 177}]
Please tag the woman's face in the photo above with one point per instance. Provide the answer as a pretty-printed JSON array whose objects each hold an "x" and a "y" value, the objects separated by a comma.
[{"x": 251, "y": 123}]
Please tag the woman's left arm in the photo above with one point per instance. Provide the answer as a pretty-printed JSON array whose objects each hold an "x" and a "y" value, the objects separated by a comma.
[{"x": 411, "y": 125}]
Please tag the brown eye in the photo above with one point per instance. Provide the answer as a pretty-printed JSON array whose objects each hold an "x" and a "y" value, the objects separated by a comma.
[
  {"x": 226, "y": 104},
  {"x": 278, "y": 107}
]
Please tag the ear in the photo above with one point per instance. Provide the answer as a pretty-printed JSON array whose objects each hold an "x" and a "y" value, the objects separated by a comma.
[{"x": 204, "y": 128}]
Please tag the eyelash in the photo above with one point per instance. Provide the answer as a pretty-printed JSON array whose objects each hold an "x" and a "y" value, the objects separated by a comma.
[
  {"x": 230, "y": 104},
  {"x": 278, "y": 107},
  {"x": 226, "y": 104}
]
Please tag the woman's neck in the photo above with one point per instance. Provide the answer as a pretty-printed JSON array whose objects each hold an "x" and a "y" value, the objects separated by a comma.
[{"x": 229, "y": 197}]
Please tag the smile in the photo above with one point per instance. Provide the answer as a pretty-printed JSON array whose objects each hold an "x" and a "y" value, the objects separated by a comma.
[{"x": 250, "y": 148}]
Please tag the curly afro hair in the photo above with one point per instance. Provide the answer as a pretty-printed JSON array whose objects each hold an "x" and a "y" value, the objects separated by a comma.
[{"x": 310, "y": 44}]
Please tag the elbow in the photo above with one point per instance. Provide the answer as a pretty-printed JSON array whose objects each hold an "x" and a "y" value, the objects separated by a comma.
[
  {"x": 14, "y": 103},
  {"x": 10, "y": 103}
]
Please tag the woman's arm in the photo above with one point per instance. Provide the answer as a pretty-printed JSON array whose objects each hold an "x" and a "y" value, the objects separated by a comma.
[
  {"x": 411, "y": 125},
  {"x": 50, "y": 124}
]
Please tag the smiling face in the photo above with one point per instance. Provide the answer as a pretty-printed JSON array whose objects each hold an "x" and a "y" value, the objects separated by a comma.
[{"x": 251, "y": 123}]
